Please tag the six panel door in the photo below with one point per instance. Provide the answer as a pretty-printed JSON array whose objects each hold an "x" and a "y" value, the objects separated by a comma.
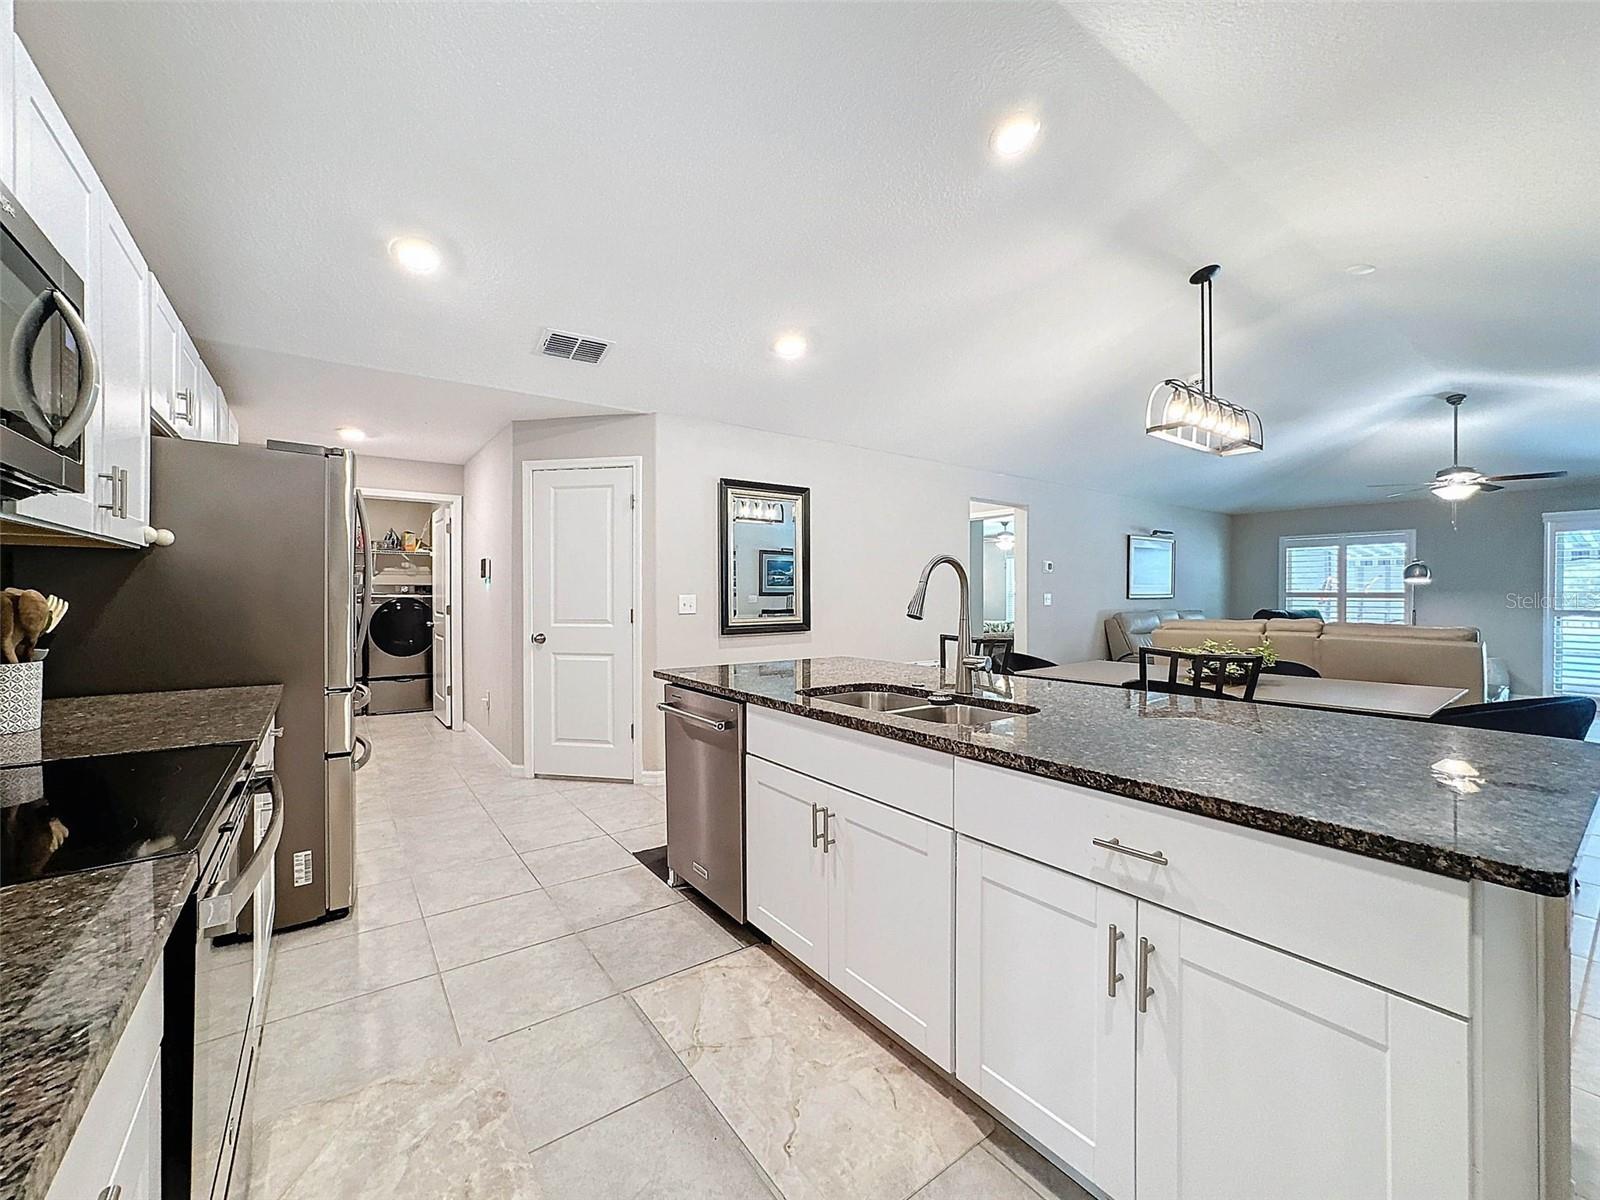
[
  {"x": 1045, "y": 1007},
  {"x": 786, "y": 884},
  {"x": 1262, "y": 1076},
  {"x": 889, "y": 918}
]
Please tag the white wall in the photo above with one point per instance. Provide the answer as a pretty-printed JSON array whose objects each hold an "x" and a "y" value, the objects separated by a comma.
[
  {"x": 408, "y": 475},
  {"x": 1495, "y": 551},
  {"x": 491, "y": 630}
]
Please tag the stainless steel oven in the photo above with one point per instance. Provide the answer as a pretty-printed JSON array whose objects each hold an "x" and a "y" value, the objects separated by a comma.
[
  {"x": 49, "y": 379},
  {"x": 232, "y": 972}
]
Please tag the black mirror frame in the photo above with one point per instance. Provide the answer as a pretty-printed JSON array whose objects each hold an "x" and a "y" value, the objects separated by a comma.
[{"x": 725, "y": 487}]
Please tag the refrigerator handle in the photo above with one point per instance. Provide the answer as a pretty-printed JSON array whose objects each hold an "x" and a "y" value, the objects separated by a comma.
[
  {"x": 366, "y": 753},
  {"x": 364, "y": 619}
]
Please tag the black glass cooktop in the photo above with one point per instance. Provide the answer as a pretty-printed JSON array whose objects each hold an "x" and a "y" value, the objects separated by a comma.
[{"x": 78, "y": 813}]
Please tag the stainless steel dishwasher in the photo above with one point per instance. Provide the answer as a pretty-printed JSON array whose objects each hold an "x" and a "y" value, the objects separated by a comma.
[{"x": 705, "y": 796}]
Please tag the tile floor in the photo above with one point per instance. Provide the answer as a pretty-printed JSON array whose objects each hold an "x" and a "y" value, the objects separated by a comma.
[
  {"x": 1586, "y": 1022},
  {"x": 517, "y": 1008}
]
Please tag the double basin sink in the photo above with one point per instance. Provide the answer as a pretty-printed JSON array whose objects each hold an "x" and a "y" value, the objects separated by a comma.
[{"x": 967, "y": 712}]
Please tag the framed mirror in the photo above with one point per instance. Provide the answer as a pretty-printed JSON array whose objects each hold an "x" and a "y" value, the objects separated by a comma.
[
  {"x": 1151, "y": 566},
  {"x": 765, "y": 541}
]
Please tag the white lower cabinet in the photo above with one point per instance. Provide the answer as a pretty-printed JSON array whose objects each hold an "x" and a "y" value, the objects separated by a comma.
[
  {"x": 1262, "y": 1076},
  {"x": 1044, "y": 1007},
  {"x": 859, "y": 892}
]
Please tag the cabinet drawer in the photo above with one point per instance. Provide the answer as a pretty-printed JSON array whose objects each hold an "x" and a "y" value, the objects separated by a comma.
[
  {"x": 1399, "y": 928},
  {"x": 906, "y": 777}
]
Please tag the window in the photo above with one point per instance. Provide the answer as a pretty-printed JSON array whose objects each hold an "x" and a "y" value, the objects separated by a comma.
[
  {"x": 1348, "y": 577},
  {"x": 1572, "y": 603}
]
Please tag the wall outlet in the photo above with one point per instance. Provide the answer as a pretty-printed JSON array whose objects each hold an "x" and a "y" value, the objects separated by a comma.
[
  {"x": 1048, "y": 601},
  {"x": 1049, "y": 566},
  {"x": 688, "y": 604}
]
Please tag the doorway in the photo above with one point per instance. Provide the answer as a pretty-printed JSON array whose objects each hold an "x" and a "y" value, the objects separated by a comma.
[
  {"x": 582, "y": 608},
  {"x": 418, "y": 650},
  {"x": 997, "y": 563}
]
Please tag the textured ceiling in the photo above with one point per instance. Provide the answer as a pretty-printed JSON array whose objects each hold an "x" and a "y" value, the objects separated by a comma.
[{"x": 690, "y": 179}]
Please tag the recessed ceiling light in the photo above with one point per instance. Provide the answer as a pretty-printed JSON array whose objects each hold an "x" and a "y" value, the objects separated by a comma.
[
  {"x": 790, "y": 346},
  {"x": 1360, "y": 269},
  {"x": 1015, "y": 135},
  {"x": 349, "y": 433},
  {"x": 414, "y": 254}
]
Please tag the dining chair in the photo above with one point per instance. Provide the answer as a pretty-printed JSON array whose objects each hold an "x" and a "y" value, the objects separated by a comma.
[{"x": 1547, "y": 716}]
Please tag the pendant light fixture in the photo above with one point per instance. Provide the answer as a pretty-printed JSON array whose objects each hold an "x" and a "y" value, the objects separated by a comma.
[{"x": 1190, "y": 413}]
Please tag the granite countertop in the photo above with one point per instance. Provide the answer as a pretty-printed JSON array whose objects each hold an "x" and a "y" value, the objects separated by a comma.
[
  {"x": 77, "y": 950},
  {"x": 1470, "y": 804}
]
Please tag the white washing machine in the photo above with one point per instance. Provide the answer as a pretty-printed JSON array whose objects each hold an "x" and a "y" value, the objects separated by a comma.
[{"x": 397, "y": 660}]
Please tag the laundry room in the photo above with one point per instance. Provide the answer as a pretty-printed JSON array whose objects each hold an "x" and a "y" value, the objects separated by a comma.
[{"x": 404, "y": 656}]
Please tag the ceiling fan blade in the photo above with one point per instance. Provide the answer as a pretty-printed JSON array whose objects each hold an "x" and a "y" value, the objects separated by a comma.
[
  {"x": 1525, "y": 475},
  {"x": 1490, "y": 487},
  {"x": 1407, "y": 492},
  {"x": 1411, "y": 486}
]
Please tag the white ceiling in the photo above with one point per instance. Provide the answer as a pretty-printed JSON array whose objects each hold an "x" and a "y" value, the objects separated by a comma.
[{"x": 690, "y": 179}]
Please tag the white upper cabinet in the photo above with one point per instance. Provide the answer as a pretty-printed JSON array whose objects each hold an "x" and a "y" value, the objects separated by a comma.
[
  {"x": 1324, "y": 1085},
  {"x": 1045, "y": 1007},
  {"x": 166, "y": 334},
  {"x": 188, "y": 399},
  {"x": 54, "y": 178},
  {"x": 8, "y": 95},
  {"x": 121, "y": 315}
]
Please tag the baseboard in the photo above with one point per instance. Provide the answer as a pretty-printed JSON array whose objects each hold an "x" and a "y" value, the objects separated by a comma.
[
  {"x": 514, "y": 768},
  {"x": 652, "y": 778}
]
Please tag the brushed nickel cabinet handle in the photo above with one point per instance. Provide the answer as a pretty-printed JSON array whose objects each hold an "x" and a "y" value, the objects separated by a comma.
[
  {"x": 1113, "y": 976},
  {"x": 111, "y": 477},
  {"x": 1147, "y": 949},
  {"x": 816, "y": 833},
  {"x": 1149, "y": 856},
  {"x": 122, "y": 491},
  {"x": 828, "y": 840}
]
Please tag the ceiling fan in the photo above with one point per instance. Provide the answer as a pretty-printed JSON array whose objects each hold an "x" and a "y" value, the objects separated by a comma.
[{"x": 1456, "y": 482}]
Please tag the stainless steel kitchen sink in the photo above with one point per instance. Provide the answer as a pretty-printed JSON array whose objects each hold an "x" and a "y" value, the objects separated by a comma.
[{"x": 916, "y": 707}]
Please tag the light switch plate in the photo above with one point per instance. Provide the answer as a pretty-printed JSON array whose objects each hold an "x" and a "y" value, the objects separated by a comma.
[
  {"x": 688, "y": 604},
  {"x": 1047, "y": 600}
]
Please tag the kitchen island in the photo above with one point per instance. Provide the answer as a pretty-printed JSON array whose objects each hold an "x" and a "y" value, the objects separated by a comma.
[
  {"x": 78, "y": 952},
  {"x": 1189, "y": 946}
]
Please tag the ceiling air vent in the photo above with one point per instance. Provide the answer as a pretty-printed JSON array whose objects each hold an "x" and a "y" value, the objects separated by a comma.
[{"x": 571, "y": 346}]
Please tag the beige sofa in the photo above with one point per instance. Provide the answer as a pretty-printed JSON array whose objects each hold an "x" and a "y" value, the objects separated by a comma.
[
  {"x": 1127, "y": 631},
  {"x": 1441, "y": 656}
]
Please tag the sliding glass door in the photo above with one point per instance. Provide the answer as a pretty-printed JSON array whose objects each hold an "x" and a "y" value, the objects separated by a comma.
[{"x": 1572, "y": 603}]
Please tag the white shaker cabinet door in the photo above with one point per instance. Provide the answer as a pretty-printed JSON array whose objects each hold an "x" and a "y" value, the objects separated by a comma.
[
  {"x": 1045, "y": 1007},
  {"x": 190, "y": 397},
  {"x": 54, "y": 179},
  {"x": 890, "y": 919},
  {"x": 1262, "y": 1076},
  {"x": 8, "y": 95},
  {"x": 122, "y": 318},
  {"x": 166, "y": 334},
  {"x": 786, "y": 885}
]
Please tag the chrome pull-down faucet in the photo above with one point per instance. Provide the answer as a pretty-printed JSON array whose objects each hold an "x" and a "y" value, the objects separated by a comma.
[{"x": 966, "y": 661}]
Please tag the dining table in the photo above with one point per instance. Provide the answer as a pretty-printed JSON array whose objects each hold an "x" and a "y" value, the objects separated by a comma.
[{"x": 1413, "y": 701}]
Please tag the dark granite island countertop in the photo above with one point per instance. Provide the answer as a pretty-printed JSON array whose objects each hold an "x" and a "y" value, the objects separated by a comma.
[
  {"x": 77, "y": 950},
  {"x": 1465, "y": 803}
]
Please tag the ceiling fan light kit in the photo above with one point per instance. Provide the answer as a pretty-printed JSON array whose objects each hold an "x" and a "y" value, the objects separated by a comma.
[
  {"x": 1190, "y": 413},
  {"x": 1456, "y": 483}
]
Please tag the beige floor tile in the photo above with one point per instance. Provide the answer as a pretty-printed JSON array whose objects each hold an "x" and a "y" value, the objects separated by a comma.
[
  {"x": 445, "y": 1130},
  {"x": 381, "y": 865},
  {"x": 672, "y": 1145},
  {"x": 573, "y": 1069},
  {"x": 646, "y": 837},
  {"x": 446, "y": 804},
  {"x": 602, "y": 899},
  {"x": 628, "y": 812},
  {"x": 379, "y": 905},
  {"x": 554, "y": 825},
  {"x": 503, "y": 789},
  {"x": 1586, "y": 1053},
  {"x": 441, "y": 891},
  {"x": 379, "y": 834},
  {"x": 312, "y": 976},
  {"x": 329, "y": 1051},
  {"x": 439, "y": 844},
  {"x": 467, "y": 935},
  {"x": 577, "y": 860},
  {"x": 586, "y": 794},
  {"x": 1586, "y": 1143},
  {"x": 823, "y": 1103},
  {"x": 638, "y": 950},
  {"x": 1582, "y": 937},
  {"x": 977, "y": 1173},
  {"x": 512, "y": 991}
]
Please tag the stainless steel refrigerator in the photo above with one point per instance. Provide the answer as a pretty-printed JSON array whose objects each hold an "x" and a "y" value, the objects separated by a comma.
[{"x": 259, "y": 587}]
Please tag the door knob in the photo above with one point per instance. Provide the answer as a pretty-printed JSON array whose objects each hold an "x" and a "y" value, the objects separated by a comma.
[{"x": 538, "y": 639}]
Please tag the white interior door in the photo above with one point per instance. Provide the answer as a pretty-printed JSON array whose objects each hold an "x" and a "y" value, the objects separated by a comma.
[
  {"x": 1262, "y": 1076},
  {"x": 580, "y": 597},
  {"x": 443, "y": 693}
]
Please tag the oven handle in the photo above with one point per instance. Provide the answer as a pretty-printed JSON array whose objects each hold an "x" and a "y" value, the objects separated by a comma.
[
  {"x": 20, "y": 364},
  {"x": 219, "y": 912}
]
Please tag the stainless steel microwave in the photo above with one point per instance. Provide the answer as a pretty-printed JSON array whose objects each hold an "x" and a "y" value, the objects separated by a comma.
[{"x": 50, "y": 379}]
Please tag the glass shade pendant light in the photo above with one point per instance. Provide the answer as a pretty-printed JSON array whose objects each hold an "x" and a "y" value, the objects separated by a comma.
[{"x": 1190, "y": 413}]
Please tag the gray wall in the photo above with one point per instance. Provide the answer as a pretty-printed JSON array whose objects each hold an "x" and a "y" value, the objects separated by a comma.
[
  {"x": 1497, "y": 549},
  {"x": 408, "y": 475},
  {"x": 491, "y": 628}
]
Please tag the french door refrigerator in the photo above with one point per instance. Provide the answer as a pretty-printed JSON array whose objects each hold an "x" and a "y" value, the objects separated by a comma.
[{"x": 259, "y": 587}]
